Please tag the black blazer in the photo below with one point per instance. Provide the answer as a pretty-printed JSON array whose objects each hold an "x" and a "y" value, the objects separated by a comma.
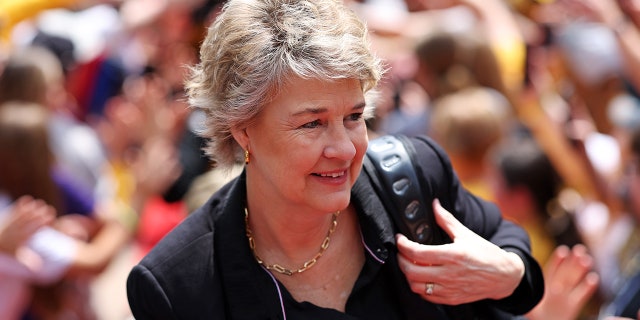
[{"x": 204, "y": 269}]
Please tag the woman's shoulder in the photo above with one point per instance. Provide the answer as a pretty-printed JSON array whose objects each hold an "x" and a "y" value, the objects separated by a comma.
[
  {"x": 179, "y": 276},
  {"x": 430, "y": 161},
  {"x": 428, "y": 149},
  {"x": 163, "y": 283}
]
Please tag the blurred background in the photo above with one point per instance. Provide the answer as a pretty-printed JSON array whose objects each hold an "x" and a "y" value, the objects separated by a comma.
[{"x": 536, "y": 102}]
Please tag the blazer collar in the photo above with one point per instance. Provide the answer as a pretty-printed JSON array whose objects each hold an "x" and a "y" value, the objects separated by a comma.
[{"x": 251, "y": 292}]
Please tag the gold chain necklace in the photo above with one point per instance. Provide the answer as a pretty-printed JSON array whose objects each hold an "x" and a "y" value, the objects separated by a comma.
[{"x": 277, "y": 267}]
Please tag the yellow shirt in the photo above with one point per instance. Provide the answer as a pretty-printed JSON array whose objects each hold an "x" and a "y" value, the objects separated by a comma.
[
  {"x": 14, "y": 11},
  {"x": 542, "y": 245},
  {"x": 124, "y": 182},
  {"x": 479, "y": 188}
]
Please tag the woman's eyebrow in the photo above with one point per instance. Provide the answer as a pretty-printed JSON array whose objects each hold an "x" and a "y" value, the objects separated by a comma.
[
  {"x": 359, "y": 106},
  {"x": 310, "y": 110},
  {"x": 318, "y": 110}
]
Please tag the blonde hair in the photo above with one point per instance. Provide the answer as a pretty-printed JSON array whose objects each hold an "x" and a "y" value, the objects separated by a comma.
[
  {"x": 471, "y": 121},
  {"x": 254, "y": 47}
]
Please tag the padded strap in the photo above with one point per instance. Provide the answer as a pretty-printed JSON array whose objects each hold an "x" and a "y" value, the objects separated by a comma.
[{"x": 391, "y": 169}]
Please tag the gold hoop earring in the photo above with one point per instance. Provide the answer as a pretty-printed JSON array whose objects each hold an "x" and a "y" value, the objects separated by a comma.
[{"x": 247, "y": 159}]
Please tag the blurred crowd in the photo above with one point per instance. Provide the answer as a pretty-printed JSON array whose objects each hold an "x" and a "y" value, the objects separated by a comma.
[{"x": 536, "y": 102}]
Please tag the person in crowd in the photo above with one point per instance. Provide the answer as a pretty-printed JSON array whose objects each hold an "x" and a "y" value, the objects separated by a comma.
[
  {"x": 301, "y": 234},
  {"x": 622, "y": 17},
  {"x": 46, "y": 272},
  {"x": 452, "y": 61},
  {"x": 34, "y": 74},
  {"x": 468, "y": 124},
  {"x": 529, "y": 191},
  {"x": 599, "y": 115},
  {"x": 626, "y": 302},
  {"x": 449, "y": 61},
  {"x": 38, "y": 264},
  {"x": 496, "y": 24}
]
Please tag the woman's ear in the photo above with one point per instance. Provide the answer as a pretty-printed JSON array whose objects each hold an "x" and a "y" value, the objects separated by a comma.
[{"x": 241, "y": 137}]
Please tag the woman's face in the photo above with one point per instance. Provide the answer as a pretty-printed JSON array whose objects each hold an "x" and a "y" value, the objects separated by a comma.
[{"x": 307, "y": 145}]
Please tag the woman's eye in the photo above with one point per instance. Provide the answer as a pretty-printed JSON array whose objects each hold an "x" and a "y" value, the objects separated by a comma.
[
  {"x": 355, "y": 116},
  {"x": 311, "y": 125}
]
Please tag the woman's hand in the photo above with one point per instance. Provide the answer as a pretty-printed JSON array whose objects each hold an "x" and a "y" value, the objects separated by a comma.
[{"x": 469, "y": 269}]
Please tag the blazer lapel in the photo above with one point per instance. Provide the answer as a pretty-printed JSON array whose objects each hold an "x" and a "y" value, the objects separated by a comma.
[{"x": 250, "y": 292}]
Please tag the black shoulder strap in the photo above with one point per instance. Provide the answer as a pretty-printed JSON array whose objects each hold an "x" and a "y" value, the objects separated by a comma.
[{"x": 389, "y": 164}]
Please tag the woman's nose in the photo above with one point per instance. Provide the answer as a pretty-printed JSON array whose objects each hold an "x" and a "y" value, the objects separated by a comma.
[{"x": 339, "y": 144}]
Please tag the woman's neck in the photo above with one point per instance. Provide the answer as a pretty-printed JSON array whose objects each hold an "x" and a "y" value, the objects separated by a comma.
[
  {"x": 328, "y": 283},
  {"x": 290, "y": 239}
]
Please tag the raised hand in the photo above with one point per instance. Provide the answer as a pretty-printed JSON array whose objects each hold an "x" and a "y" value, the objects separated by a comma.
[
  {"x": 570, "y": 282},
  {"x": 26, "y": 216}
]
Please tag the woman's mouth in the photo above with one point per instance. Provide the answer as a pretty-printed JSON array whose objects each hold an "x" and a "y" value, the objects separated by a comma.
[{"x": 331, "y": 175}]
